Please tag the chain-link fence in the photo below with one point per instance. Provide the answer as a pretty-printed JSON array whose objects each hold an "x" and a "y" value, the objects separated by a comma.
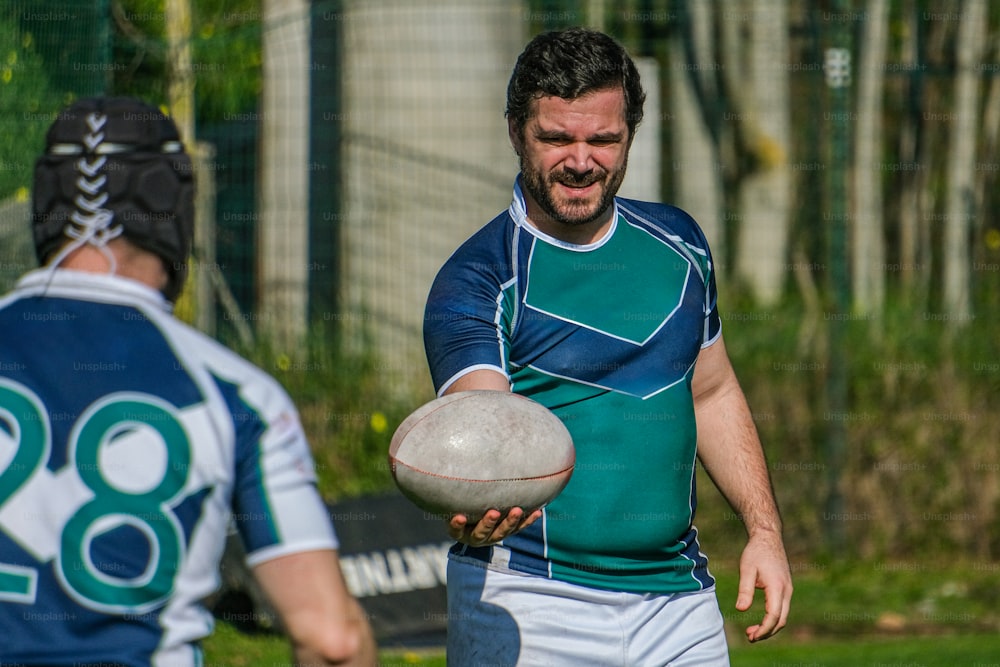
[{"x": 351, "y": 145}]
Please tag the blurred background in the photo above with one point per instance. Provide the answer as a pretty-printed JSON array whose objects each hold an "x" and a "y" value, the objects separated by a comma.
[{"x": 841, "y": 155}]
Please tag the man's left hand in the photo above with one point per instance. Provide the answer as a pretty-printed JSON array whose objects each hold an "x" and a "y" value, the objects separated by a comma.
[{"x": 764, "y": 565}]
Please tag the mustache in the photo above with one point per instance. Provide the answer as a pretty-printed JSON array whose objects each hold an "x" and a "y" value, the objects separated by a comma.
[{"x": 578, "y": 180}]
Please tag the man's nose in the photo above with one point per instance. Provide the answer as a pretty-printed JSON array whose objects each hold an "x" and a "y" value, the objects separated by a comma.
[{"x": 580, "y": 158}]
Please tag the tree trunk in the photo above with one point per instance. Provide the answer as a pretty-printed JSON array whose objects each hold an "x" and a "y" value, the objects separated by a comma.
[
  {"x": 429, "y": 160},
  {"x": 283, "y": 232},
  {"x": 868, "y": 240},
  {"x": 695, "y": 164},
  {"x": 764, "y": 194},
  {"x": 908, "y": 196},
  {"x": 961, "y": 163},
  {"x": 197, "y": 303}
]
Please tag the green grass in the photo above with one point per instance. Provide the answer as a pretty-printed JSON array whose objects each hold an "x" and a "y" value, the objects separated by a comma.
[
  {"x": 876, "y": 598},
  {"x": 950, "y": 651},
  {"x": 903, "y": 613},
  {"x": 230, "y": 648}
]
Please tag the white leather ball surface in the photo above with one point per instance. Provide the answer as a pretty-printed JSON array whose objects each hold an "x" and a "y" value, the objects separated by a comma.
[{"x": 471, "y": 451}]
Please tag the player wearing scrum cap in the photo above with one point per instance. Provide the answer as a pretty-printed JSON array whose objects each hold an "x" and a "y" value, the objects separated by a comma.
[{"x": 128, "y": 440}]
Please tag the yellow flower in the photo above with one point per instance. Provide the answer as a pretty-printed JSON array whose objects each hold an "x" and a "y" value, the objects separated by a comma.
[
  {"x": 283, "y": 362},
  {"x": 21, "y": 195},
  {"x": 993, "y": 239},
  {"x": 7, "y": 75},
  {"x": 12, "y": 58},
  {"x": 378, "y": 422}
]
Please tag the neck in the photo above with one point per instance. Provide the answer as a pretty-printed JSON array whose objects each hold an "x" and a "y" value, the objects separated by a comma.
[{"x": 131, "y": 262}]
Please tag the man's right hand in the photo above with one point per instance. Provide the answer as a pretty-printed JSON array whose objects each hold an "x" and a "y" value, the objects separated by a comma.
[{"x": 492, "y": 528}]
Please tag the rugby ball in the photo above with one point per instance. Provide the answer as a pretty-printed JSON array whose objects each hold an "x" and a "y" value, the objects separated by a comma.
[{"x": 472, "y": 451}]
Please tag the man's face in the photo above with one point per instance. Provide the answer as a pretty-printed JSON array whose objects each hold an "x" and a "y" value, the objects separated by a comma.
[{"x": 573, "y": 158}]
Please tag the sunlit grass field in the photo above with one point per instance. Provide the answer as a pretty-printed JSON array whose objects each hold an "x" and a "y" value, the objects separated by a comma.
[
  {"x": 906, "y": 614},
  {"x": 230, "y": 648}
]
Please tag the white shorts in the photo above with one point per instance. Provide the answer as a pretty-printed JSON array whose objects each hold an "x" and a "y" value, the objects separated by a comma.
[{"x": 497, "y": 618}]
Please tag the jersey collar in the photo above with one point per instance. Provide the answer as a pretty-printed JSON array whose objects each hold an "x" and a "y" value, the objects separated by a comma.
[
  {"x": 519, "y": 214},
  {"x": 89, "y": 286}
]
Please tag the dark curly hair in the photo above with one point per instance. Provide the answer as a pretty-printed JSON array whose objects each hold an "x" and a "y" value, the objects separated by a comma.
[{"x": 570, "y": 63}]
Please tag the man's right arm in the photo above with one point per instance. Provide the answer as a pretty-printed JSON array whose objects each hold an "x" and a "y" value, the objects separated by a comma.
[{"x": 325, "y": 624}]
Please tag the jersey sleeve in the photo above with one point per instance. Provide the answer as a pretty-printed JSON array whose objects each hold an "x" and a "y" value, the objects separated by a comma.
[
  {"x": 277, "y": 508},
  {"x": 698, "y": 243},
  {"x": 469, "y": 311},
  {"x": 713, "y": 323}
]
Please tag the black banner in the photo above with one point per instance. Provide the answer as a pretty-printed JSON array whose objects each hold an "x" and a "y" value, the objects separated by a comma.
[{"x": 393, "y": 556}]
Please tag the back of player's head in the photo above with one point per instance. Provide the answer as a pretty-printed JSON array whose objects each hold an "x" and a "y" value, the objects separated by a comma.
[
  {"x": 570, "y": 63},
  {"x": 115, "y": 167}
]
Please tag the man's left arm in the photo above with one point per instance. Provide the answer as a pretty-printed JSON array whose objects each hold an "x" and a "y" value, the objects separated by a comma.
[{"x": 730, "y": 450}]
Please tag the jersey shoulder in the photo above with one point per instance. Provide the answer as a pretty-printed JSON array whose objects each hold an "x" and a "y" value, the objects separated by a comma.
[
  {"x": 669, "y": 219},
  {"x": 197, "y": 350}
]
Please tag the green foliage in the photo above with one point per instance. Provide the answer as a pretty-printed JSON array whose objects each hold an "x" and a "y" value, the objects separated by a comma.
[
  {"x": 28, "y": 105},
  {"x": 921, "y": 463},
  {"x": 225, "y": 54},
  {"x": 227, "y": 59}
]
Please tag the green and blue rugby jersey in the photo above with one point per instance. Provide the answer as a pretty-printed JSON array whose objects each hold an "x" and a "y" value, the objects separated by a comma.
[
  {"x": 606, "y": 336},
  {"x": 128, "y": 443}
]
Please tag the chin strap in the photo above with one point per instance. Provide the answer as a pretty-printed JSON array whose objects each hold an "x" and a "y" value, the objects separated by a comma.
[{"x": 93, "y": 222}]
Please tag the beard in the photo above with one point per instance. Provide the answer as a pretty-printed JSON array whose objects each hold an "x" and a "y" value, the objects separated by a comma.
[{"x": 572, "y": 211}]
